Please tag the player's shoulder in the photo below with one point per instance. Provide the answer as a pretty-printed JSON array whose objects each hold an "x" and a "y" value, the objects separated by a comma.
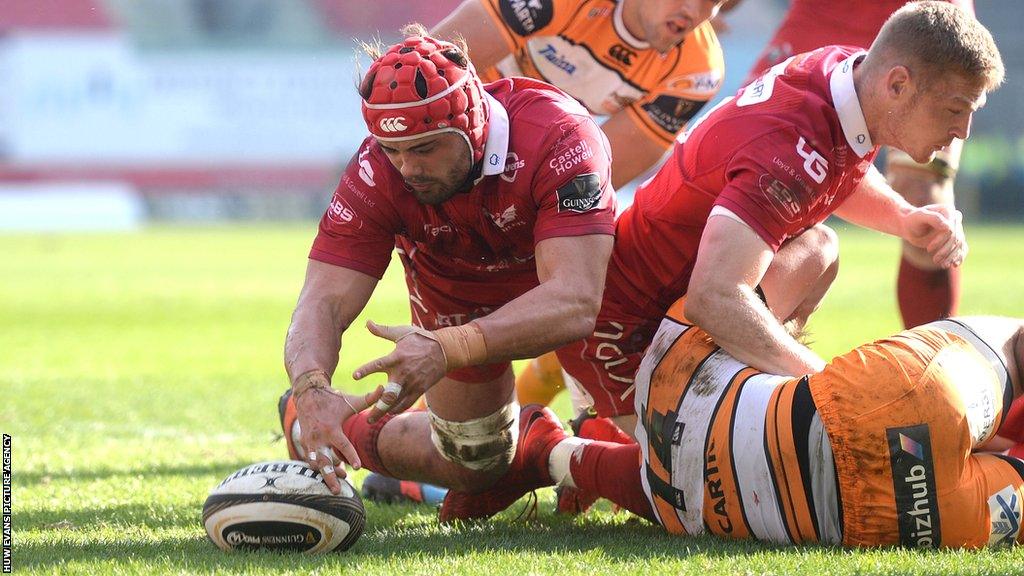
[
  {"x": 369, "y": 175},
  {"x": 526, "y": 17},
  {"x": 535, "y": 106},
  {"x": 701, "y": 48}
]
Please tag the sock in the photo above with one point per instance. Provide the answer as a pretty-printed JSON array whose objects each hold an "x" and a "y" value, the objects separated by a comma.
[
  {"x": 541, "y": 381},
  {"x": 561, "y": 455},
  {"x": 363, "y": 436},
  {"x": 605, "y": 430},
  {"x": 611, "y": 471},
  {"x": 926, "y": 295},
  {"x": 1013, "y": 422}
]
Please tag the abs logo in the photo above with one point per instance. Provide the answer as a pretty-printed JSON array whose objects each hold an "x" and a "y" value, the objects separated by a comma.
[
  {"x": 339, "y": 212},
  {"x": 1004, "y": 512},
  {"x": 622, "y": 54},
  {"x": 393, "y": 124},
  {"x": 913, "y": 480}
]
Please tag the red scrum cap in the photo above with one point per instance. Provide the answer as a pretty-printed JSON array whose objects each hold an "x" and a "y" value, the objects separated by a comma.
[{"x": 423, "y": 86}]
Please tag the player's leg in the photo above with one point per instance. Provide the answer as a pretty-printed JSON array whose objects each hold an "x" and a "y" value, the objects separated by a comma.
[
  {"x": 800, "y": 275},
  {"x": 925, "y": 291},
  {"x": 540, "y": 381},
  {"x": 465, "y": 439}
]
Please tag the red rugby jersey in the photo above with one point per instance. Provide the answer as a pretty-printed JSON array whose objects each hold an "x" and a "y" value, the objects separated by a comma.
[
  {"x": 546, "y": 173},
  {"x": 781, "y": 155}
]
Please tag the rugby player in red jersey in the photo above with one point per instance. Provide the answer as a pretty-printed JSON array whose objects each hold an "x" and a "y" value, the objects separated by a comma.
[
  {"x": 925, "y": 291},
  {"x": 734, "y": 218},
  {"x": 498, "y": 199}
]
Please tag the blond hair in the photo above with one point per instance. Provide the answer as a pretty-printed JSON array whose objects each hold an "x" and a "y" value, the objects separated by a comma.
[{"x": 939, "y": 37}]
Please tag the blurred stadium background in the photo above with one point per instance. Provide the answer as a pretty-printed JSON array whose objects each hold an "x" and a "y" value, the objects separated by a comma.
[{"x": 119, "y": 113}]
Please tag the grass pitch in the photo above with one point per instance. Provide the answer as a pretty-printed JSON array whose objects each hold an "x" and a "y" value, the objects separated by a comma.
[{"x": 137, "y": 370}]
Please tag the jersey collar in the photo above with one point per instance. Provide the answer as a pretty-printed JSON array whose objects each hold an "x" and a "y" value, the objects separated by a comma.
[
  {"x": 623, "y": 32},
  {"x": 496, "y": 146},
  {"x": 844, "y": 98}
]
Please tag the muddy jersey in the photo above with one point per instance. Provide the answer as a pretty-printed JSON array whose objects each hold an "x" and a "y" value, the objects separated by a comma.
[
  {"x": 545, "y": 174},
  {"x": 811, "y": 24},
  {"x": 584, "y": 48},
  {"x": 780, "y": 156},
  {"x": 875, "y": 450}
]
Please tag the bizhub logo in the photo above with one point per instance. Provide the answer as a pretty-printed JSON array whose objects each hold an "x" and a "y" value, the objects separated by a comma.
[
  {"x": 392, "y": 124},
  {"x": 913, "y": 479}
]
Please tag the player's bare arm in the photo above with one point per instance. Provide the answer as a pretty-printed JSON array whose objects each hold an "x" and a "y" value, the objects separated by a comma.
[
  {"x": 731, "y": 261},
  {"x": 936, "y": 228},
  {"x": 632, "y": 151},
  {"x": 330, "y": 299},
  {"x": 487, "y": 45},
  {"x": 561, "y": 309}
]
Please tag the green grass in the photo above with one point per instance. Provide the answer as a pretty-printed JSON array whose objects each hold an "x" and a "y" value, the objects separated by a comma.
[{"x": 137, "y": 370}]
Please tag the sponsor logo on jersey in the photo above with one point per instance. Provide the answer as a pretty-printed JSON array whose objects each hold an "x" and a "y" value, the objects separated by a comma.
[
  {"x": 571, "y": 157},
  {"x": 392, "y": 124},
  {"x": 525, "y": 17},
  {"x": 435, "y": 231},
  {"x": 365, "y": 169},
  {"x": 581, "y": 194},
  {"x": 622, "y": 54},
  {"x": 339, "y": 211},
  {"x": 913, "y": 479},
  {"x": 671, "y": 113},
  {"x": 550, "y": 53},
  {"x": 1004, "y": 512},
  {"x": 814, "y": 164},
  {"x": 785, "y": 202},
  {"x": 706, "y": 83},
  {"x": 512, "y": 166},
  {"x": 506, "y": 219},
  {"x": 713, "y": 482}
]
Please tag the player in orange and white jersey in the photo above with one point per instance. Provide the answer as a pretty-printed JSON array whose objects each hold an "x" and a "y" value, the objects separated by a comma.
[
  {"x": 883, "y": 447},
  {"x": 648, "y": 65}
]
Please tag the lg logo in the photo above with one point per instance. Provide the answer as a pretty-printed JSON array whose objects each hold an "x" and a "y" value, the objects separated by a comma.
[
  {"x": 814, "y": 164},
  {"x": 622, "y": 54},
  {"x": 393, "y": 124}
]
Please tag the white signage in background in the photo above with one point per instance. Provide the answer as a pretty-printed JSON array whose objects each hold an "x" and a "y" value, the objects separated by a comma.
[
  {"x": 90, "y": 98},
  {"x": 67, "y": 206}
]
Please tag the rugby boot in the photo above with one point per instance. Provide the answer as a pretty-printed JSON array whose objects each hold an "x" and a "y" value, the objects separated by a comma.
[
  {"x": 539, "y": 432},
  {"x": 387, "y": 490},
  {"x": 289, "y": 424}
]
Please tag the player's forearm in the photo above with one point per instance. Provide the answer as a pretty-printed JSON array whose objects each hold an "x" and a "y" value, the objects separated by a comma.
[
  {"x": 875, "y": 205},
  {"x": 744, "y": 327},
  {"x": 549, "y": 316},
  {"x": 313, "y": 341}
]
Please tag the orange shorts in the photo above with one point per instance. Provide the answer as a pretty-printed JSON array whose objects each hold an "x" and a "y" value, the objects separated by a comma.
[{"x": 903, "y": 416}]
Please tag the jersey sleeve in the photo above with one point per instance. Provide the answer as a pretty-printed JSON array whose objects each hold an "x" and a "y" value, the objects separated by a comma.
[
  {"x": 695, "y": 80},
  {"x": 774, "y": 183},
  {"x": 518, "y": 20},
  {"x": 358, "y": 229},
  {"x": 572, "y": 188}
]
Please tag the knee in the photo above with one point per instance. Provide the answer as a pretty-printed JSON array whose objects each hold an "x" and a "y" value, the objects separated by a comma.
[
  {"x": 825, "y": 253},
  {"x": 483, "y": 447}
]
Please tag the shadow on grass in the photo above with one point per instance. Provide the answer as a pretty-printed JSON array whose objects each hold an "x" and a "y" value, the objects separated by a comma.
[{"x": 123, "y": 534}]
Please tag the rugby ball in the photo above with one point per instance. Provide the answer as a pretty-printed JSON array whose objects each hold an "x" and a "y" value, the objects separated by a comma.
[{"x": 282, "y": 505}]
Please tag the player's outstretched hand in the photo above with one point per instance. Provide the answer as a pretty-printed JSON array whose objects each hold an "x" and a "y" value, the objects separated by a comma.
[
  {"x": 321, "y": 413},
  {"x": 937, "y": 228},
  {"x": 416, "y": 364}
]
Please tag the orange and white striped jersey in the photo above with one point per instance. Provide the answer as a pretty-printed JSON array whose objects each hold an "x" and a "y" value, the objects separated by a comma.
[
  {"x": 584, "y": 48},
  {"x": 875, "y": 450}
]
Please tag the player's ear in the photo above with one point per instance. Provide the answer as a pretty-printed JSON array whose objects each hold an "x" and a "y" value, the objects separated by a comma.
[{"x": 897, "y": 82}]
